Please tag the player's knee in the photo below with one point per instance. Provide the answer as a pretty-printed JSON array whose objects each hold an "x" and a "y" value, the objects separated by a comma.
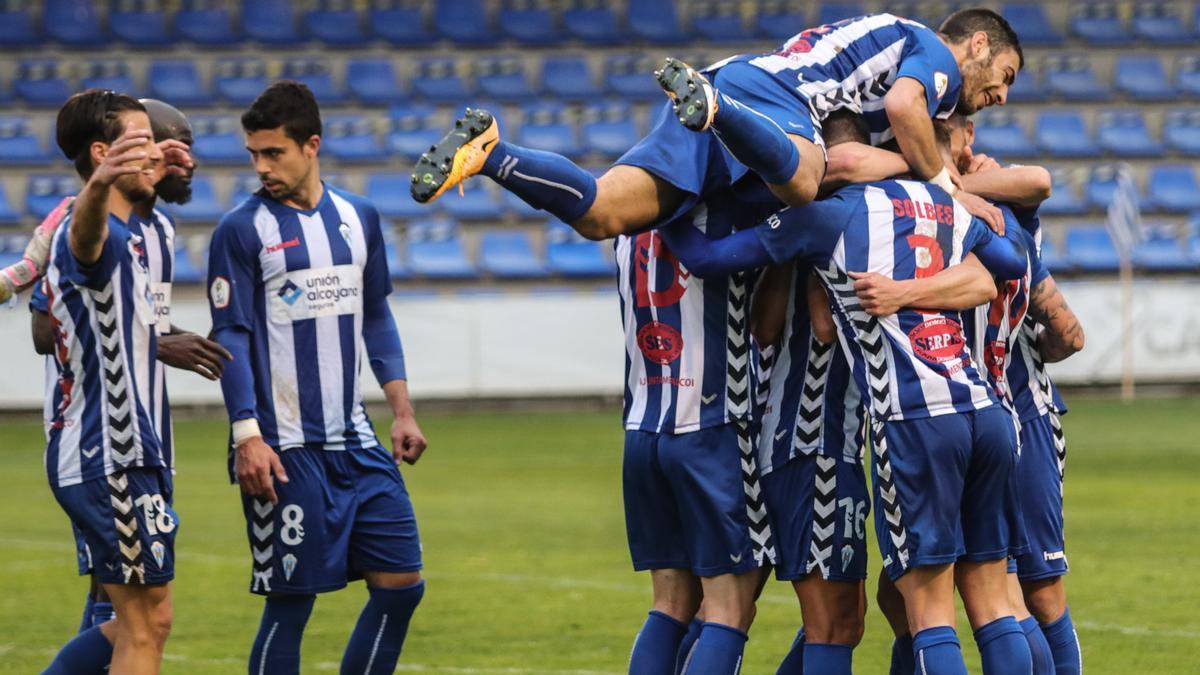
[
  {"x": 597, "y": 226},
  {"x": 801, "y": 189},
  {"x": 1045, "y": 599}
]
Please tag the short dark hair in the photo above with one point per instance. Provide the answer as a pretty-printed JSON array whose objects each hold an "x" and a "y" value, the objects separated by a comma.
[
  {"x": 941, "y": 133},
  {"x": 288, "y": 104},
  {"x": 844, "y": 126},
  {"x": 964, "y": 23},
  {"x": 88, "y": 117}
]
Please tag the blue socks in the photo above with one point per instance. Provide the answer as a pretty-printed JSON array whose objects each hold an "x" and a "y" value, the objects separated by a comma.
[
  {"x": 827, "y": 659},
  {"x": 686, "y": 644},
  {"x": 375, "y": 644},
  {"x": 756, "y": 141},
  {"x": 102, "y": 611},
  {"x": 1039, "y": 649},
  {"x": 656, "y": 646},
  {"x": 718, "y": 651},
  {"x": 1003, "y": 648},
  {"x": 86, "y": 622},
  {"x": 1064, "y": 645},
  {"x": 793, "y": 663},
  {"x": 89, "y": 653},
  {"x": 543, "y": 180},
  {"x": 902, "y": 656},
  {"x": 276, "y": 648},
  {"x": 936, "y": 651}
]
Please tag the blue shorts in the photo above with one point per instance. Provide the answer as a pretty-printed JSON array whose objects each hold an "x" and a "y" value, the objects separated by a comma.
[
  {"x": 341, "y": 513},
  {"x": 126, "y": 525},
  {"x": 945, "y": 489},
  {"x": 685, "y": 502},
  {"x": 819, "y": 508},
  {"x": 83, "y": 553},
  {"x": 1040, "y": 486}
]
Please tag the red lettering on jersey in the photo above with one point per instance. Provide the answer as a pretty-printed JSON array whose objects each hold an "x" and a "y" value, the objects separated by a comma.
[
  {"x": 650, "y": 246},
  {"x": 290, "y": 243},
  {"x": 897, "y": 208},
  {"x": 927, "y": 253},
  {"x": 938, "y": 340}
]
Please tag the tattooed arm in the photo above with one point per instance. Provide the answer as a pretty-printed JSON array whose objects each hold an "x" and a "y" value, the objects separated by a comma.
[{"x": 1063, "y": 335}]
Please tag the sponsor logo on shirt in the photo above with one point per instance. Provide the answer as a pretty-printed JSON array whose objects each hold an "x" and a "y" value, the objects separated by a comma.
[
  {"x": 290, "y": 292},
  {"x": 290, "y": 243},
  {"x": 660, "y": 342},
  {"x": 938, "y": 340},
  {"x": 218, "y": 293},
  {"x": 312, "y": 293}
]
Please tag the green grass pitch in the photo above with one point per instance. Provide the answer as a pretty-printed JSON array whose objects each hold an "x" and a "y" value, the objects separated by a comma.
[{"x": 527, "y": 568}]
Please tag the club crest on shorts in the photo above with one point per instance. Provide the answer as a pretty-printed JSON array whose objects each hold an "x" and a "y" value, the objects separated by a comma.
[
  {"x": 344, "y": 229},
  {"x": 847, "y": 556},
  {"x": 159, "y": 552},
  {"x": 289, "y": 566}
]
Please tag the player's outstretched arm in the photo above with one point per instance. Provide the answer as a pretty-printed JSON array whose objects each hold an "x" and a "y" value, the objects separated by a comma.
[
  {"x": 957, "y": 287},
  {"x": 1063, "y": 334},
  {"x": 907, "y": 111},
  {"x": 1026, "y": 186},
  {"x": 89, "y": 226},
  {"x": 408, "y": 443},
  {"x": 710, "y": 258},
  {"x": 855, "y": 162}
]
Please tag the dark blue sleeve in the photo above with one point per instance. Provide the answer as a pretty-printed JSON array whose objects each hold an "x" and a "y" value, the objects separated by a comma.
[
  {"x": 384, "y": 348},
  {"x": 233, "y": 272},
  {"x": 928, "y": 61},
  {"x": 377, "y": 281},
  {"x": 1004, "y": 257},
  {"x": 807, "y": 230},
  {"x": 237, "y": 380},
  {"x": 38, "y": 301},
  {"x": 712, "y": 258}
]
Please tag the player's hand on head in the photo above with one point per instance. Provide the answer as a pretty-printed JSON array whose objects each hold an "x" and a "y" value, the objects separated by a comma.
[
  {"x": 177, "y": 158},
  {"x": 982, "y": 209},
  {"x": 982, "y": 162},
  {"x": 257, "y": 466},
  {"x": 188, "y": 351},
  {"x": 408, "y": 443},
  {"x": 879, "y": 295},
  {"x": 124, "y": 156}
]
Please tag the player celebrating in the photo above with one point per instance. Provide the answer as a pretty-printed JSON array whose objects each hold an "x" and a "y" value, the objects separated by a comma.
[
  {"x": 298, "y": 283},
  {"x": 766, "y": 120}
]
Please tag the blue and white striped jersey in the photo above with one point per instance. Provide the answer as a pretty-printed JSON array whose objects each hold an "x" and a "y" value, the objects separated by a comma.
[
  {"x": 852, "y": 64},
  {"x": 298, "y": 281},
  {"x": 101, "y": 416}
]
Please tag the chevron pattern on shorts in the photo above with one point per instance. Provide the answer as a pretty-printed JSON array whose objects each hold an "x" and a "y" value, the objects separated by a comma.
[
  {"x": 756, "y": 507},
  {"x": 116, "y": 387},
  {"x": 887, "y": 493},
  {"x": 125, "y": 519},
  {"x": 820, "y": 549},
  {"x": 262, "y": 536},
  {"x": 1029, "y": 331},
  {"x": 812, "y": 396},
  {"x": 1060, "y": 447}
]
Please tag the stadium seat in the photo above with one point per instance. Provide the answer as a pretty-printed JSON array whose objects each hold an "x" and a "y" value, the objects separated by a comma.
[
  {"x": 832, "y": 12},
  {"x": 179, "y": 83},
  {"x": 655, "y": 22},
  {"x": 570, "y": 255},
  {"x": 1027, "y": 88},
  {"x": 437, "y": 79},
  {"x": 1144, "y": 78},
  {"x": 1181, "y": 131},
  {"x": 1053, "y": 259},
  {"x": 1187, "y": 74},
  {"x": 1071, "y": 78},
  {"x": 397, "y": 267},
  {"x": 477, "y": 202},
  {"x": 778, "y": 20},
  {"x": 1124, "y": 134},
  {"x": 1091, "y": 249},
  {"x": 1064, "y": 134},
  {"x": 999, "y": 133},
  {"x": 315, "y": 73},
  {"x": 436, "y": 250},
  {"x": 41, "y": 83},
  {"x": 141, "y": 23},
  {"x": 17, "y": 27},
  {"x": 8, "y": 215},
  {"x": 463, "y": 22},
  {"x": 111, "y": 74},
  {"x": 373, "y": 81},
  {"x": 74, "y": 23},
  {"x": 245, "y": 185},
  {"x": 203, "y": 207},
  {"x": 413, "y": 130},
  {"x": 1101, "y": 184},
  {"x": 240, "y": 80},
  {"x": 270, "y": 22},
  {"x": 719, "y": 21},
  {"x": 351, "y": 138},
  {"x": 1173, "y": 188},
  {"x": 1030, "y": 22},
  {"x": 1099, "y": 23},
  {"x": 18, "y": 145},
  {"x": 1160, "y": 23},
  {"x": 632, "y": 76},
  {"x": 335, "y": 23},
  {"x": 185, "y": 270},
  {"x": 400, "y": 22},
  {"x": 43, "y": 193},
  {"x": 1161, "y": 252},
  {"x": 530, "y": 22},
  {"x": 208, "y": 23},
  {"x": 925, "y": 13},
  {"x": 609, "y": 129},
  {"x": 568, "y": 77},
  {"x": 546, "y": 126},
  {"x": 509, "y": 255},
  {"x": 1064, "y": 197},
  {"x": 218, "y": 140},
  {"x": 592, "y": 21},
  {"x": 389, "y": 193},
  {"x": 503, "y": 78}
]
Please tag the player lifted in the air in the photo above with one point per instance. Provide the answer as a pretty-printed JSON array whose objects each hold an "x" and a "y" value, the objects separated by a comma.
[
  {"x": 761, "y": 114},
  {"x": 298, "y": 286}
]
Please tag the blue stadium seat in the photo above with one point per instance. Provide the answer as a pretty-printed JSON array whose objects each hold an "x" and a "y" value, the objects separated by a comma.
[
  {"x": 1064, "y": 197},
  {"x": 592, "y": 21},
  {"x": 719, "y": 21},
  {"x": 18, "y": 145},
  {"x": 568, "y": 77},
  {"x": 413, "y": 130},
  {"x": 17, "y": 27},
  {"x": 373, "y": 81},
  {"x": 141, "y": 23},
  {"x": 1072, "y": 78},
  {"x": 464, "y": 22},
  {"x": 218, "y": 140},
  {"x": 1173, "y": 188},
  {"x": 436, "y": 250},
  {"x": 1160, "y": 23},
  {"x": 1099, "y": 23},
  {"x": 609, "y": 129},
  {"x": 185, "y": 270},
  {"x": 1161, "y": 252},
  {"x": 41, "y": 82},
  {"x": 74, "y": 23},
  {"x": 111, "y": 74},
  {"x": 832, "y": 12},
  {"x": 1091, "y": 249},
  {"x": 927, "y": 14},
  {"x": 204, "y": 206},
  {"x": 270, "y": 22},
  {"x": 335, "y": 23},
  {"x": 208, "y": 23},
  {"x": 503, "y": 78},
  {"x": 397, "y": 266},
  {"x": 1144, "y": 78},
  {"x": 778, "y": 20},
  {"x": 351, "y": 138},
  {"x": 179, "y": 83},
  {"x": 1101, "y": 184},
  {"x": 656, "y": 22},
  {"x": 8, "y": 215},
  {"x": 240, "y": 80},
  {"x": 999, "y": 133},
  {"x": 477, "y": 202},
  {"x": 1030, "y": 22},
  {"x": 389, "y": 193},
  {"x": 546, "y": 126},
  {"x": 1064, "y": 134},
  {"x": 437, "y": 79},
  {"x": 1124, "y": 134},
  {"x": 246, "y": 184},
  {"x": 1194, "y": 249},
  {"x": 1053, "y": 259},
  {"x": 510, "y": 255},
  {"x": 1187, "y": 74},
  {"x": 570, "y": 255},
  {"x": 43, "y": 193},
  {"x": 315, "y": 73},
  {"x": 1181, "y": 130},
  {"x": 632, "y": 76},
  {"x": 1027, "y": 88},
  {"x": 402, "y": 22},
  {"x": 530, "y": 22}
]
